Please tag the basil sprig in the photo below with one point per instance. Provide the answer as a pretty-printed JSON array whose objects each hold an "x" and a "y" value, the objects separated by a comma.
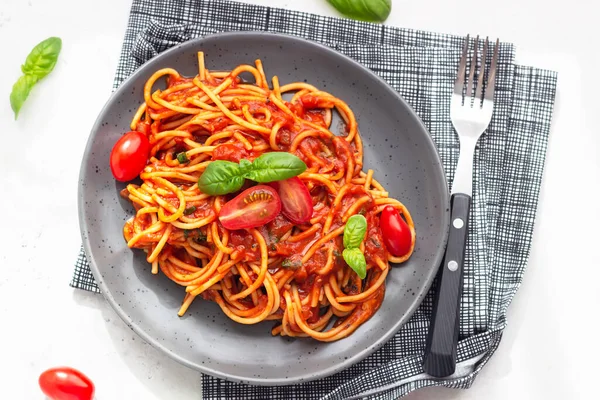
[
  {"x": 222, "y": 177},
  {"x": 354, "y": 234},
  {"x": 39, "y": 63},
  {"x": 364, "y": 10}
]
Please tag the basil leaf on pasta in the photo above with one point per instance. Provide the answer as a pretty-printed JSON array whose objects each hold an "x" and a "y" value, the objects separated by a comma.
[
  {"x": 275, "y": 166},
  {"x": 221, "y": 177},
  {"x": 356, "y": 260},
  {"x": 354, "y": 231}
]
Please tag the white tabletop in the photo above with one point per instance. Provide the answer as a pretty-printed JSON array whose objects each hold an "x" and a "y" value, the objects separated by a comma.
[{"x": 550, "y": 346}]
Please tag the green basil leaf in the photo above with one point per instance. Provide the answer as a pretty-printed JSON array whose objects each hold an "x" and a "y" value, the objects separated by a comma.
[
  {"x": 42, "y": 59},
  {"x": 39, "y": 63},
  {"x": 20, "y": 92},
  {"x": 289, "y": 264},
  {"x": 275, "y": 166},
  {"x": 245, "y": 166},
  {"x": 221, "y": 177},
  {"x": 356, "y": 260},
  {"x": 354, "y": 231},
  {"x": 364, "y": 10}
]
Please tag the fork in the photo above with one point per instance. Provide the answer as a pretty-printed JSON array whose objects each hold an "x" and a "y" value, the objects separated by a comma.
[{"x": 471, "y": 112}]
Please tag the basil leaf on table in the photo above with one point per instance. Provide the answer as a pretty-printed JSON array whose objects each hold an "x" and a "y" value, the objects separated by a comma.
[
  {"x": 20, "y": 92},
  {"x": 354, "y": 231},
  {"x": 42, "y": 59},
  {"x": 356, "y": 260},
  {"x": 275, "y": 166},
  {"x": 364, "y": 10},
  {"x": 221, "y": 177},
  {"x": 39, "y": 63}
]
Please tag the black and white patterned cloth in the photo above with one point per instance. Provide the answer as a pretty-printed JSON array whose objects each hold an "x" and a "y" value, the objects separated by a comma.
[{"x": 509, "y": 163}]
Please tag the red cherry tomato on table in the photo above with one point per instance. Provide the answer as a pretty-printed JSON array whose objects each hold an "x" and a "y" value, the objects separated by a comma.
[
  {"x": 396, "y": 232},
  {"x": 129, "y": 156},
  {"x": 253, "y": 207},
  {"x": 65, "y": 383},
  {"x": 296, "y": 203}
]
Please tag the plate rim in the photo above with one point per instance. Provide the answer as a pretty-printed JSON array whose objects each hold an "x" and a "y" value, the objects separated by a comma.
[{"x": 309, "y": 376}]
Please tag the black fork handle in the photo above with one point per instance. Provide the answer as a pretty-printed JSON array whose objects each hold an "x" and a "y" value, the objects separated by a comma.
[{"x": 440, "y": 348}]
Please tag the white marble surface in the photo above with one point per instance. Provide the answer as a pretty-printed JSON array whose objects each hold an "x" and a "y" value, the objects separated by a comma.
[{"x": 550, "y": 346}]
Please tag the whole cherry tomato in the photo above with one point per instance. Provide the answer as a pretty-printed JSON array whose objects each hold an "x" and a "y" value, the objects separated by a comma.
[
  {"x": 129, "y": 156},
  {"x": 396, "y": 233},
  {"x": 66, "y": 383}
]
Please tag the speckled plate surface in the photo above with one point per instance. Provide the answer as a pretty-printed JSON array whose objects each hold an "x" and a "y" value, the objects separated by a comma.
[{"x": 396, "y": 146}]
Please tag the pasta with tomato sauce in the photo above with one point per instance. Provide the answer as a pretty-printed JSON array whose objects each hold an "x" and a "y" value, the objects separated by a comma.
[{"x": 248, "y": 199}]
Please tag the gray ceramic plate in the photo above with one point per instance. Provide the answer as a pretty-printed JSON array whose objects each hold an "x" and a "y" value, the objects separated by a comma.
[{"x": 396, "y": 146}]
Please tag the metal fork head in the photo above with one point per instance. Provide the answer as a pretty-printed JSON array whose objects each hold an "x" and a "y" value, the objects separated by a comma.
[{"x": 473, "y": 97}]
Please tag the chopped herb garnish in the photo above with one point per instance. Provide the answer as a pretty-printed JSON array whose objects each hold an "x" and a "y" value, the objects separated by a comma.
[
  {"x": 273, "y": 238},
  {"x": 196, "y": 234},
  {"x": 291, "y": 264},
  {"x": 182, "y": 158},
  {"x": 376, "y": 242},
  {"x": 200, "y": 238},
  {"x": 189, "y": 210},
  {"x": 337, "y": 253}
]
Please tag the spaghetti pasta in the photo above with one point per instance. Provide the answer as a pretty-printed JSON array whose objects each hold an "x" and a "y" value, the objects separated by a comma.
[{"x": 291, "y": 273}]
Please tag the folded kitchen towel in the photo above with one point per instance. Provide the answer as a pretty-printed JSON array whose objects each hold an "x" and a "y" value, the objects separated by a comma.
[{"x": 509, "y": 162}]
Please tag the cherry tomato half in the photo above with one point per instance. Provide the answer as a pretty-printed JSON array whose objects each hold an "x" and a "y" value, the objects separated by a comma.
[
  {"x": 296, "y": 203},
  {"x": 396, "y": 233},
  {"x": 253, "y": 207},
  {"x": 66, "y": 383},
  {"x": 129, "y": 156}
]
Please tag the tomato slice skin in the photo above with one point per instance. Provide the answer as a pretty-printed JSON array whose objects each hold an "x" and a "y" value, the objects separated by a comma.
[
  {"x": 66, "y": 383},
  {"x": 253, "y": 207},
  {"x": 296, "y": 203},
  {"x": 396, "y": 233},
  {"x": 129, "y": 156}
]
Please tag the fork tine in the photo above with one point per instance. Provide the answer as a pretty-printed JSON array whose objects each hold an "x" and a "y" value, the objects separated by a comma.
[
  {"x": 489, "y": 93},
  {"x": 479, "y": 92},
  {"x": 471, "y": 81},
  {"x": 460, "y": 77}
]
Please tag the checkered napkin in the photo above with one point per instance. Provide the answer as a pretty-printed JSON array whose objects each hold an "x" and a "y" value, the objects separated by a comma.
[{"x": 509, "y": 162}]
